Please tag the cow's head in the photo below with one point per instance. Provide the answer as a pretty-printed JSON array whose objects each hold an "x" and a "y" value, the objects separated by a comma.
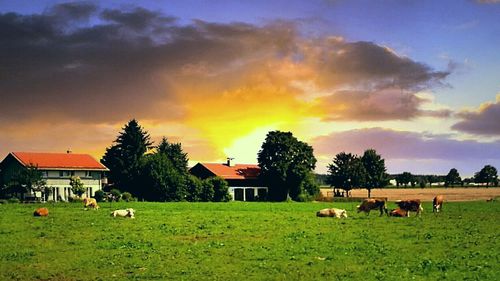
[
  {"x": 130, "y": 212},
  {"x": 343, "y": 214}
]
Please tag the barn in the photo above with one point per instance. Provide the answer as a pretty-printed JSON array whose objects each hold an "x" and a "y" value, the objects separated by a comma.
[{"x": 243, "y": 179}]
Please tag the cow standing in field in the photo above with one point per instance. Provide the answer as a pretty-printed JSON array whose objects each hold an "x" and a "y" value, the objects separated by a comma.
[
  {"x": 398, "y": 213},
  {"x": 437, "y": 203},
  {"x": 41, "y": 212},
  {"x": 333, "y": 212},
  {"x": 371, "y": 204},
  {"x": 90, "y": 202},
  {"x": 413, "y": 205}
]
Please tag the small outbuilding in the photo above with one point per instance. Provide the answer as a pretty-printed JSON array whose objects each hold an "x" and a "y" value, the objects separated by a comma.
[{"x": 243, "y": 179}]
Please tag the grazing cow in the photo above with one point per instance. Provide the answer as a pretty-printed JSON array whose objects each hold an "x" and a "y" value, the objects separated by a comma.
[
  {"x": 398, "y": 213},
  {"x": 333, "y": 212},
  {"x": 41, "y": 212},
  {"x": 371, "y": 204},
  {"x": 413, "y": 205},
  {"x": 123, "y": 213},
  {"x": 437, "y": 203},
  {"x": 90, "y": 202}
]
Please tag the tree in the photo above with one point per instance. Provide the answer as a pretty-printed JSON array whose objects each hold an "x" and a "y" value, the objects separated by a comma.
[
  {"x": 488, "y": 174},
  {"x": 221, "y": 189},
  {"x": 194, "y": 188},
  {"x": 285, "y": 162},
  {"x": 26, "y": 180},
  {"x": 207, "y": 191},
  {"x": 376, "y": 175},
  {"x": 124, "y": 156},
  {"x": 453, "y": 177},
  {"x": 175, "y": 153},
  {"x": 405, "y": 178},
  {"x": 160, "y": 180},
  {"x": 346, "y": 172},
  {"x": 76, "y": 186}
]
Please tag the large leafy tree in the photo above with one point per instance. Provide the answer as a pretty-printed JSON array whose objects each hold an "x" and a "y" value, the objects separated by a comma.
[
  {"x": 376, "y": 172},
  {"x": 124, "y": 156},
  {"x": 285, "y": 163},
  {"x": 160, "y": 180},
  {"x": 346, "y": 172},
  {"x": 453, "y": 177},
  {"x": 488, "y": 174}
]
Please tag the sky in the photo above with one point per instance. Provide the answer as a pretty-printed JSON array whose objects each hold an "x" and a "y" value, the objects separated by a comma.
[{"x": 419, "y": 81}]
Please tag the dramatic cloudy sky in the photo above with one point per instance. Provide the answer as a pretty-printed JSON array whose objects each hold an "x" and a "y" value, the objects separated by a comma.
[{"x": 419, "y": 81}]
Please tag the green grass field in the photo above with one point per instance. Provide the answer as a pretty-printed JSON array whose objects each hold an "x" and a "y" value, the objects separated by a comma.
[{"x": 248, "y": 241}]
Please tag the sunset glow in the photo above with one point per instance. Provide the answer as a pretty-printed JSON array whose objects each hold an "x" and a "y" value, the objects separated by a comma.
[{"x": 420, "y": 87}]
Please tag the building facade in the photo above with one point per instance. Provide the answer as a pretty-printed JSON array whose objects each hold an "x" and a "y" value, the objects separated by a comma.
[
  {"x": 56, "y": 170},
  {"x": 243, "y": 179}
]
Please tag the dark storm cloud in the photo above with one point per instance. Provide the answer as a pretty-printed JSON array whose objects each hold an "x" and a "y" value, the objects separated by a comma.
[
  {"x": 79, "y": 62},
  {"x": 110, "y": 70},
  {"x": 484, "y": 121}
]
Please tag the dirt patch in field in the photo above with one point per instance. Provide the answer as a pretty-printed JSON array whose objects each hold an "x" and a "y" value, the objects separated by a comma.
[{"x": 427, "y": 194}]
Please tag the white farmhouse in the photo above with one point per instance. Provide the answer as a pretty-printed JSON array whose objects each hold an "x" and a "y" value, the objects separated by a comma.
[{"x": 56, "y": 169}]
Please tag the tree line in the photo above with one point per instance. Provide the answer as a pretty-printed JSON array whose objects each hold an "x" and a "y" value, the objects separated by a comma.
[
  {"x": 160, "y": 173},
  {"x": 157, "y": 173},
  {"x": 487, "y": 176}
]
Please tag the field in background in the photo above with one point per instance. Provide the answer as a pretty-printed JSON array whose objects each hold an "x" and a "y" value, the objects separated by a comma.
[
  {"x": 427, "y": 194},
  {"x": 248, "y": 241}
]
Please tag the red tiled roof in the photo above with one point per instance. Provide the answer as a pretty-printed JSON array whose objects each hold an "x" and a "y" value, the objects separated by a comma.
[
  {"x": 238, "y": 171},
  {"x": 59, "y": 160}
]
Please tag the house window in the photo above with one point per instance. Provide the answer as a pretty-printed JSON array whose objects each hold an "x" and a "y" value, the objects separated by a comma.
[
  {"x": 88, "y": 174},
  {"x": 45, "y": 174},
  {"x": 66, "y": 173}
]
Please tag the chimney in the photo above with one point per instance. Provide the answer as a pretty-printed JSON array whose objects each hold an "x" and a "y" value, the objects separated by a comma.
[{"x": 230, "y": 162}]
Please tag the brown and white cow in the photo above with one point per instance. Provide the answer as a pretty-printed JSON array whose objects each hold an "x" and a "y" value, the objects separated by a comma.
[
  {"x": 124, "y": 213},
  {"x": 413, "y": 205},
  {"x": 371, "y": 204},
  {"x": 90, "y": 202},
  {"x": 437, "y": 203},
  {"x": 398, "y": 213},
  {"x": 41, "y": 212},
  {"x": 333, "y": 212}
]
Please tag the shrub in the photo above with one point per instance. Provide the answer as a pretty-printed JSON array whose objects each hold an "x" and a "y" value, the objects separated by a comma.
[
  {"x": 4, "y": 201},
  {"x": 99, "y": 195},
  {"x": 221, "y": 189},
  {"x": 127, "y": 197},
  {"x": 207, "y": 191},
  {"x": 116, "y": 194},
  {"x": 13, "y": 200},
  {"x": 194, "y": 188},
  {"x": 75, "y": 199}
]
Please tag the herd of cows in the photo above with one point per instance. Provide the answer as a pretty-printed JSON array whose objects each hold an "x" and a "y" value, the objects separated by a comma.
[
  {"x": 91, "y": 203},
  {"x": 403, "y": 210}
]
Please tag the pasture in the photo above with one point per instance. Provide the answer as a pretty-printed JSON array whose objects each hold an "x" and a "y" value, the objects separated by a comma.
[{"x": 248, "y": 241}]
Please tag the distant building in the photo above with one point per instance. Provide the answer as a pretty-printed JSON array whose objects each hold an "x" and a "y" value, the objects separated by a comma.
[
  {"x": 57, "y": 169},
  {"x": 243, "y": 179}
]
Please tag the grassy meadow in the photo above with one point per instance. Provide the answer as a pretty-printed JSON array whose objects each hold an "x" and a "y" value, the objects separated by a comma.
[{"x": 248, "y": 241}]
